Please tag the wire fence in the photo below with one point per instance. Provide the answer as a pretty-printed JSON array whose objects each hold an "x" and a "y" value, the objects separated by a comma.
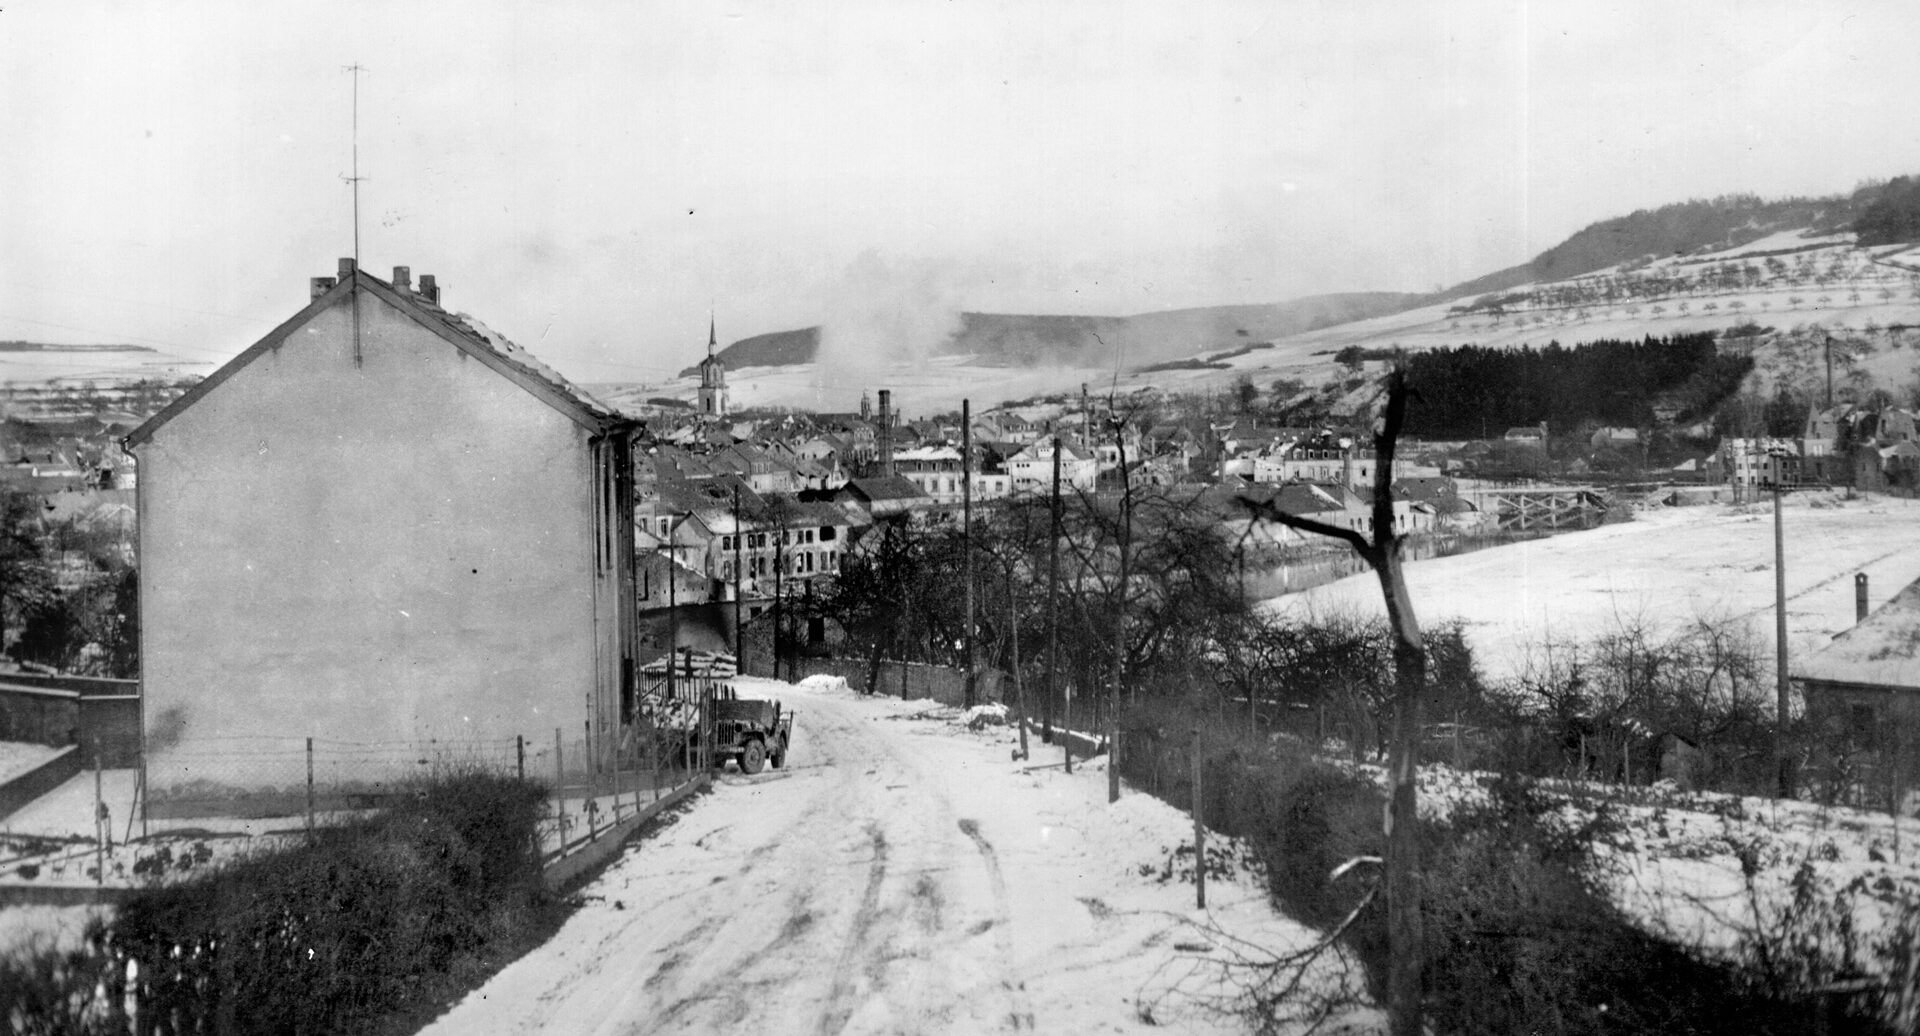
[{"x": 591, "y": 784}]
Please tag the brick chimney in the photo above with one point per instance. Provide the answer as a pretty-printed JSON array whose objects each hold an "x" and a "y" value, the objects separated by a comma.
[
  {"x": 403, "y": 278},
  {"x": 429, "y": 288},
  {"x": 346, "y": 267},
  {"x": 318, "y": 286}
]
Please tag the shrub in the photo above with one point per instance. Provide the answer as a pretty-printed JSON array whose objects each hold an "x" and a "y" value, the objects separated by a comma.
[
  {"x": 1518, "y": 939},
  {"x": 369, "y": 921}
]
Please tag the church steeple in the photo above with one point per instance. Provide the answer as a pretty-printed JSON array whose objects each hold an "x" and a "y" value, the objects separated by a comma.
[{"x": 713, "y": 375}]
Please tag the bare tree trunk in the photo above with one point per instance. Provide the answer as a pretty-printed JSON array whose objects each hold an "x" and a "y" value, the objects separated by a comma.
[
  {"x": 1406, "y": 935},
  {"x": 1381, "y": 550}
]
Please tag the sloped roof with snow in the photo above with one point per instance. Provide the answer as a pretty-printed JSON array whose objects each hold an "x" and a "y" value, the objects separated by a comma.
[
  {"x": 1882, "y": 650},
  {"x": 463, "y": 332}
]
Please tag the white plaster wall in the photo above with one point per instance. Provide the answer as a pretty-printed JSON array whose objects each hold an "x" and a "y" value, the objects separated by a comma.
[{"x": 397, "y": 551}]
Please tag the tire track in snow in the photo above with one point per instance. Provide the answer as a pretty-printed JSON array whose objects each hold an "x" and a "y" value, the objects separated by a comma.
[
  {"x": 840, "y": 997},
  {"x": 1021, "y": 1015}
]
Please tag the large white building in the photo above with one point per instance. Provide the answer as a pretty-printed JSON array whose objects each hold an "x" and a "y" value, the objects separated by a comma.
[{"x": 380, "y": 524}]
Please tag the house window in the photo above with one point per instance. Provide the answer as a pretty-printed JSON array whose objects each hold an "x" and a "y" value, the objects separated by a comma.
[
  {"x": 1862, "y": 719},
  {"x": 826, "y": 533}
]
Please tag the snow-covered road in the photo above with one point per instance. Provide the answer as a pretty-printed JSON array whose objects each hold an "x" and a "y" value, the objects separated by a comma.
[{"x": 903, "y": 874}]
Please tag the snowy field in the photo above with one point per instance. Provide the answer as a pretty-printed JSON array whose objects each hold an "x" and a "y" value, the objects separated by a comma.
[
  {"x": 1663, "y": 570},
  {"x": 903, "y": 874}
]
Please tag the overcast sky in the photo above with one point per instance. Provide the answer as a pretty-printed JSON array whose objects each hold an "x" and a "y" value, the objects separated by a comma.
[{"x": 588, "y": 177}]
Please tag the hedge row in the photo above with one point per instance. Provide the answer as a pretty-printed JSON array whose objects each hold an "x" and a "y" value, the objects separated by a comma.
[{"x": 371, "y": 926}]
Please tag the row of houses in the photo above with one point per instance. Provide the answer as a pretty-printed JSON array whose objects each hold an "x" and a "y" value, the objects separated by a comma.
[
  {"x": 1876, "y": 449},
  {"x": 384, "y": 521}
]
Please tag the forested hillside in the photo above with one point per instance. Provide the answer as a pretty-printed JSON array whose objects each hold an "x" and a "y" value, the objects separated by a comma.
[{"x": 1471, "y": 391}]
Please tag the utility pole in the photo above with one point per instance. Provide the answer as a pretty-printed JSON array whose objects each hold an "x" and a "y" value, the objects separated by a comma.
[
  {"x": 1019, "y": 683},
  {"x": 779, "y": 590},
  {"x": 1053, "y": 612},
  {"x": 1829, "y": 372},
  {"x": 1119, "y": 610},
  {"x": 1782, "y": 755},
  {"x": 966, "y": 533},
  {"x": 673, "y": 619},
  {"x": 739, "y": 627}
]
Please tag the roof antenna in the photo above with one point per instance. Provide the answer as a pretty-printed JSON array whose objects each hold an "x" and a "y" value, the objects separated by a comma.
[{"x": 354, "y": 180}]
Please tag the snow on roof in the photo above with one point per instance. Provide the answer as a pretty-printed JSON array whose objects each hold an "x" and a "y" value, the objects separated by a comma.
[
  {"x": 1881, "y": 650},
  {"x": 929, "y": 453},
  {"x": 520, "y": 358}
]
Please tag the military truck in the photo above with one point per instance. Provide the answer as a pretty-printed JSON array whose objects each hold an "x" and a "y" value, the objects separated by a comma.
[{"x": 750, "y": 731}]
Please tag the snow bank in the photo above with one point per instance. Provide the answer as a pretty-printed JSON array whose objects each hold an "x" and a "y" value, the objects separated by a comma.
[
  {"x": 993, "y": 714},
  {"x": 826, "y": 683}
]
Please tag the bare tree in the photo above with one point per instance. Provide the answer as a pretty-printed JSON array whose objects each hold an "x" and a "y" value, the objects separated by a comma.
[{"x": 1381, "y": 551}]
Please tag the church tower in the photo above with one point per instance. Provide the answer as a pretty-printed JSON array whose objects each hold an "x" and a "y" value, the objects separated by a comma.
[{"x": 713, "y": 378}]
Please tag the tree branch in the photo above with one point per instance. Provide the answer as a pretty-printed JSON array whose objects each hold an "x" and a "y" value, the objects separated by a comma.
[{"x": 1266, "y": 509}]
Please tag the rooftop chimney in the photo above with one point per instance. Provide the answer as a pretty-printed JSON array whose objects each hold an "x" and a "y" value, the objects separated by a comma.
[
  {"x": 318, "y": 286},
  {"x": 346, "y": 267},
  {"x": 429, "y": 288},
  {"x": 403, "y": 278},
  {"x": 886, "y": 433}
]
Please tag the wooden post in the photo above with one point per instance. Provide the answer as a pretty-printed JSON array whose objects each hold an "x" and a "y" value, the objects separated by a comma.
[
  {"x": 309, "y": 787},
  {"x": 560, "y": 789},
  {"x": 140, "y": 796},
  {"x": 1066, "y": 724},
  {"x": 1194, "y": 763},
  {"x": 520, "y": 756},
  {"x": 101, "y": 829}
]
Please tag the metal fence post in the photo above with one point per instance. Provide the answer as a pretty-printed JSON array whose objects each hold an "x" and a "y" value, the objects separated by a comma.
[
  {"x": 653, "y": 758},
  {"x": 309, "y": 787}
]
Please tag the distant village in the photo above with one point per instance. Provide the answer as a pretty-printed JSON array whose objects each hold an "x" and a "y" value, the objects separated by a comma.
[
  {"x": 704, "y": 468},
  {"x": 400, "y": 497}
]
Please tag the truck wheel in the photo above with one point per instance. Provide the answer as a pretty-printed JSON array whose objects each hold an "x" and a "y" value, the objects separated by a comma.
[
  {"x": 779, "y": 757},
  {"x": 753, "y": 756}
]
